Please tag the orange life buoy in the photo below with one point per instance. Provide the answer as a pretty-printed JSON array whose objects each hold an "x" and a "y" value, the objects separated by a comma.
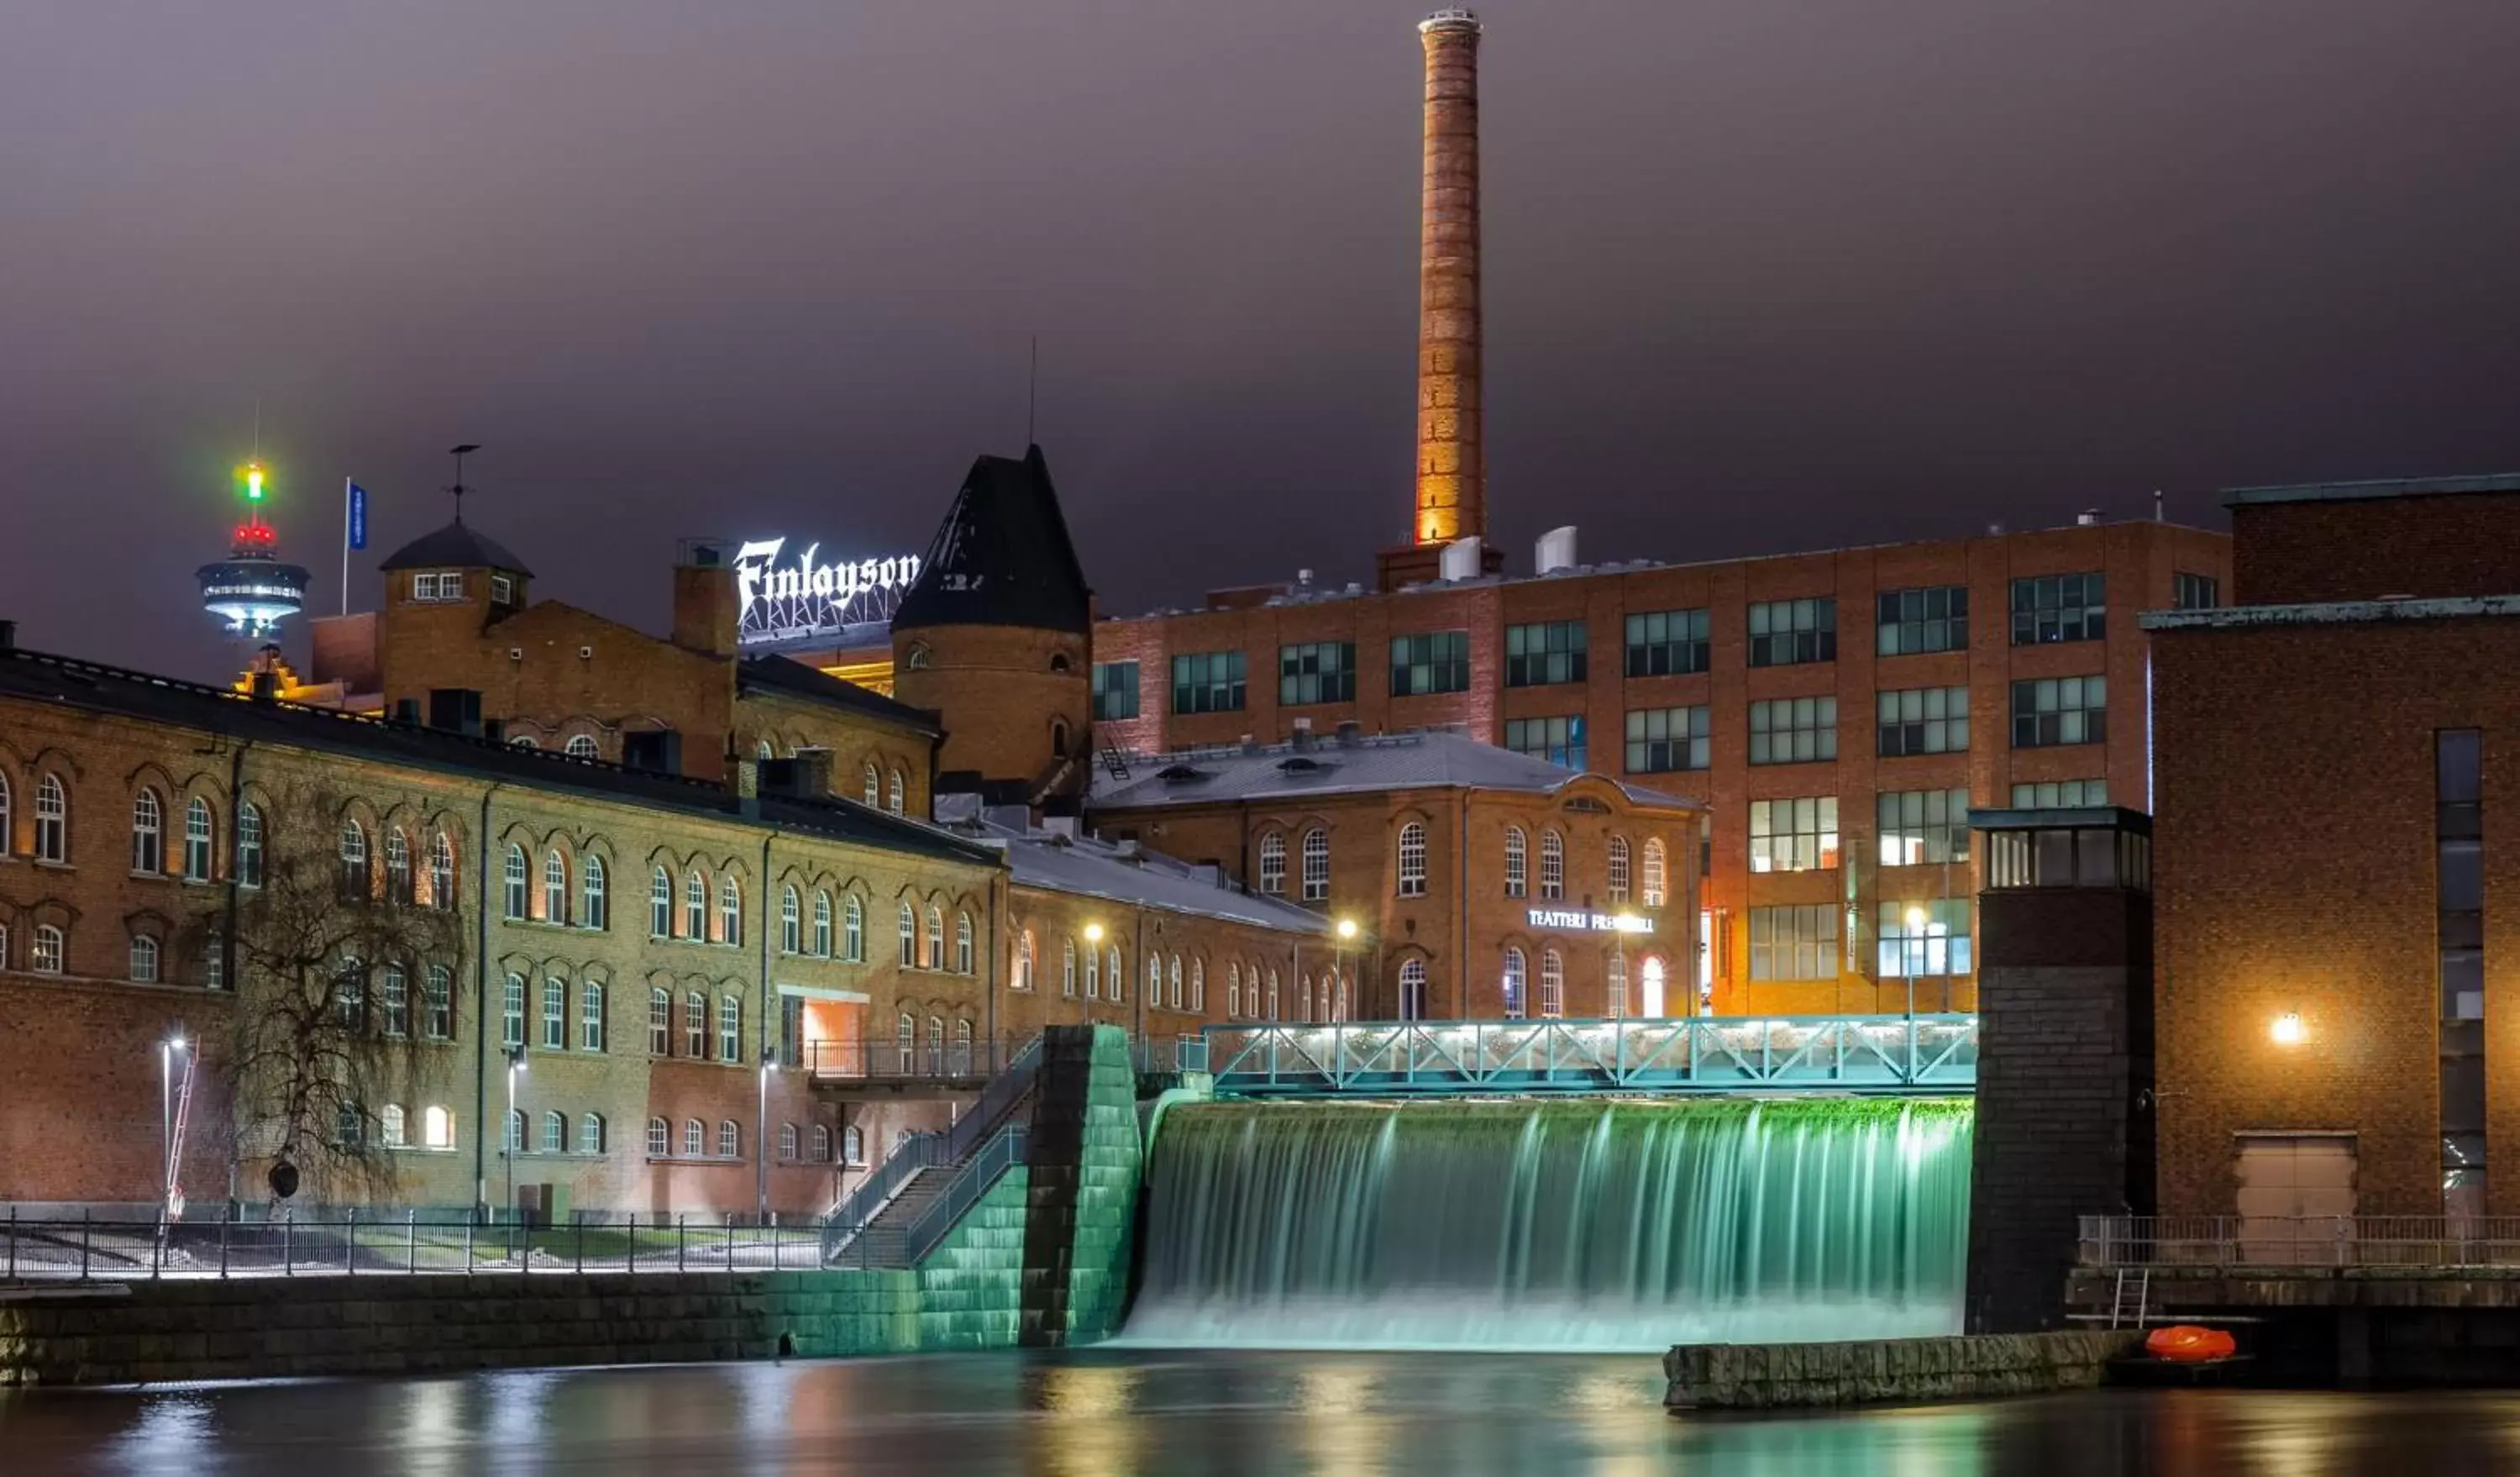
[{"x": 2187, "y": 1344}]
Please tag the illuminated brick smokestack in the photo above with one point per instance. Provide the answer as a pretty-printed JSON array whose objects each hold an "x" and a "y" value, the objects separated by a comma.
[{"x": 1452, "y": 462}]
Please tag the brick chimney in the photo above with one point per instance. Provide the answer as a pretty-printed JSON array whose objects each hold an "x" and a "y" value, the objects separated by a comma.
[
  {"x": 1452, "y": 465},
  {"x": 704, "y": 609}
]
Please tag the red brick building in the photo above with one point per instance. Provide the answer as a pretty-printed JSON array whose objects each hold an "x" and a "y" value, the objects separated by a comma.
[{"x": 2336, "y": 927}]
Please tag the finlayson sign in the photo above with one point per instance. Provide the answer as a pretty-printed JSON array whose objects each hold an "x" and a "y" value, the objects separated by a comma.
[
  {"x": 1581, "y": 921},
  {"x": 804, "y": 598}
]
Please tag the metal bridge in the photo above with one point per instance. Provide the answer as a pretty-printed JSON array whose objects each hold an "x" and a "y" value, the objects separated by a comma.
[{"x": 1689, "y": 1056}]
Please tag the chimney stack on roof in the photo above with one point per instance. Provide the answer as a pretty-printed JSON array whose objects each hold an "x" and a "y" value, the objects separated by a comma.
[{"x": 1452, "y": 465}]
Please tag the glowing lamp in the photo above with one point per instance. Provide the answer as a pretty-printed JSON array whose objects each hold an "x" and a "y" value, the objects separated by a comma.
[
  {"x": 253, "y": 481},
  {"x": 1916, "y": 920},
  {"x": 1347, "y": 927},
  {"x": 2288, "y": 1031},
  {"x": 1094, "y": 934}
]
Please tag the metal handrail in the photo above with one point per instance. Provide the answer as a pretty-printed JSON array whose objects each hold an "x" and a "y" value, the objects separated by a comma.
[
  {"x": 2108, "y": 1242},
  {"x": 861, "y": 1209},
  {"x": 1004, "y": 1151}
]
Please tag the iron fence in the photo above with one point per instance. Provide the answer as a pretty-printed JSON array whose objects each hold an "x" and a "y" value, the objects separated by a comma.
[{"x": 2108, "y": 1242}]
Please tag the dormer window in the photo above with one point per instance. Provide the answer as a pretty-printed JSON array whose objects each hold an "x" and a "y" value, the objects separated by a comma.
[
  {"x": 437, "y": 584},
  {"x": 502, "y": 590},
  {"x": 919, "y": 657}
]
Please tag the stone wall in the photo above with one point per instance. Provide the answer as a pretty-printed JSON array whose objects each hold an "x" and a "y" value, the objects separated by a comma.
[
  {"x": 1084, "y": 1162},
  {"x": 1762, "y": 1377}
]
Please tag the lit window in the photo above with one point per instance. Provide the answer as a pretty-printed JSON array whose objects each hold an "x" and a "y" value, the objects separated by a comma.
[
  {"x": 1793, "y": 835},
  {"x": 582, "y": 746},
  {"x": 1513, "y": 984},
  {"x": 52, "y": 821},
  {"x": 437, "y": 1127},
  {"x": 1552, "y": 985},
  {"x": 1273, "y": 864},
  {"x": 661, "y": 1143},
  {"x": 1517, "y": 863},
  {"x": 1924, "y": 827},
  {"x": 1317, "y": 865},
  {"x": 730, "y": 1143},
  {"x": 513, "y": 889},
  {"x": 1940, "y": 947},
  {"x": 1413, "y": 860},
  {"x": 694, "y": 1142},
  {"x": 1794, "y": 942},
  {"x": 1654, "y": 888},
  {"x": 1618, "y": 869},
  {"x": 554, "y": 889},
  {"x": 1553, "y": 865}
]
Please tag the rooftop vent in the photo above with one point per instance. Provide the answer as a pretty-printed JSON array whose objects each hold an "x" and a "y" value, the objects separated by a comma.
[
  {"x": 1555, "y": 550},
  {"x": 2087, "y": 517},
  {"x": 1299, "y": 765},
  {"x": 1178, "y": 773},
  {"x": 1460, "y": 559}
]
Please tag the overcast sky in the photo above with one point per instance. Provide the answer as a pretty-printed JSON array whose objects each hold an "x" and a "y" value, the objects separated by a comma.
[{"x": 1760, "y": 275}]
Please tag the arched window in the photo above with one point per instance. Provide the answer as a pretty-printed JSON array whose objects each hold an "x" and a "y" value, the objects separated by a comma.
[
  {"x": 730, "y": 1139},
  {"x": 1273, "y": 864},
  {"x": 874, "y": 785},
  {"x": 694, "y": 1142},
  {"x": 935, "y": 1046},
  {"x": 1619, "y": 870},
  {"x": 660, "y": 1141},
  {"x": 730, "y": 912},
  {"x": 1615, "y": 984},
  {"x": 397, "y": 866},
  {"x": 661, "y": 1021},
  {"x": 900, "y": 793},
  {"x": 786, "y": 1140},
  {"x": 1154, "y": 976},
  {"x": 555, "y": 1131},
  {"x": 1023, "y": 962},
  {"x": 1112, "y": 972},
  {"x": 354, "y": 860},
  {"x": 148, "y": 833},
  {"x": 935, "y": 937},
  {"x": 853, "y": 929},
  {"x": 853, "y": 1144},
  {"x": 765, "y": 750},
  {"x": 1317, "y": 865},
  {"x": 389, "y": 1123},
  {"x": 1653, "y": 878},
  {"x": 143, "y": 959},
  {"x": 1177, "y": 985},
  {"x": 395, "y": 987},
  {"x": 442, "y": 868},
  {"x": 511, "y": 1011},
  {"x": 525, "y": 742},
  {"x": 1303, "y": 996},
  {"x": 909, "y": 937},
  {"x": 597, "y": 913},
  {"x": 1413, "y": 989},
  {"x": 1233, "y": 991},
  {"x": 961, "y": 1063},
  {"x": 438, "y": 1003},
  {"x": 1093, "y": 974},
  {"x": 1273, "y": 994},
  {"x": 1517, "y": 873},
  {"x": 590, "y": 1016},
  {"x": 350, "y": 995},
  {"x": 52, "y": 820},
  {"x": 590, "y": 1127},
  {"x": 695, "y": 1025},
  {"x": 198, "y": 837},
  {"x": 8, "y": 820},
  {"x": 660, "y": 904},
  {"x": 730, "y": 1028},
  {"x": 1553, "y": 865},
  {"x": 1552, "y": 984},
  {"x": 555, "y": 887},
  {"x": 695, "y": 908},
  {"x": 1198, "y": 987},
  {"x": 582, "y": 746},
  {"x": 821, "y": 1144},
  {"x": 516, "y": 1131},
  {"x": 822, "y": 925},
  {"x": 436, "y": 1128},
  {"x": 555, "y": 1014},
  {"x": 1068, "y": 974},
  {"x": 905, "y": 1042},
  {"x": 921, "y": 657},
  {"x": 962, "y": 943},
  {"x": 791, "y": 922},
  {"x": 1413, "y": 860},
  {"x": 514, "y": 892},
  {"x": 47, "y": 958},
  {"x": 1513, "y": 985}
]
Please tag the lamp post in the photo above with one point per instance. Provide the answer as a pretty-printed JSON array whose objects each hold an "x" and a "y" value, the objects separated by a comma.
[
  {"x": 167, "y": 1050},
  {"x": 1916, "y": 920},
  {"x": 761, "y": 1139},
  {"x": 511, "y": 1133},
  {"x": 1340, "y": 988}
]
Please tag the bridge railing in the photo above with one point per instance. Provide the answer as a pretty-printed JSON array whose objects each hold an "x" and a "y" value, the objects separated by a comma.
[
  {"x": 2110, "y": 1242},
  {"x": 1701, "y": 1054}
]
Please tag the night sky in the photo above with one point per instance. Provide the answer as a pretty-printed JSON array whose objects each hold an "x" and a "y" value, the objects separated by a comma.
[{"x": 1760, "y": 275}]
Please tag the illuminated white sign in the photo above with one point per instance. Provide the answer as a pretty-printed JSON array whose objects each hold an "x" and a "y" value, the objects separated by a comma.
[
  {"x": 1578, "y": 920},
  {"x": 804, "y": 598}
]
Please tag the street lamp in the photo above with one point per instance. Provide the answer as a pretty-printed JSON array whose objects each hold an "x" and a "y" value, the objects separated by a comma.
[
  {"x": 167, "y": 1050},
  {"x": 1916, "y": 918},
  {"x": 2288, "y": 1030},
  {"x": 511, "y": 1133},
  {"x": 761, "y": 1140},
  {"x": 1347, "y": 936}
]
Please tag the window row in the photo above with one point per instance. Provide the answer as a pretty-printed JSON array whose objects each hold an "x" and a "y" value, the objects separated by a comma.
[
  {"x": 696, "y": 1142},
  {"x": 806, "y": 930},
  {"x": 394, "y": 1128},
  {"x": 1410, "y": 870},
  {"x": 2045, "y": 712},
  {"x": 1254, "y": 994},
  {"x": 1912, "y": 938},
  {"x": 586, "y": 1134}
]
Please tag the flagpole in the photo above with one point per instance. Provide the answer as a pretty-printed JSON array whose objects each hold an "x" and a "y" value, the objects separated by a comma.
[{"x": 345, "y": 546}]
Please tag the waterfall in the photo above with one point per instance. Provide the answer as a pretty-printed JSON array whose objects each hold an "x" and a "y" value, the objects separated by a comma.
[{"x": 1522, "y": 1223}]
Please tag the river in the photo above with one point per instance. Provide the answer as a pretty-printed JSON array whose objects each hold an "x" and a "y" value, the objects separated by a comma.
[{"x": 1182, "y": 1414}]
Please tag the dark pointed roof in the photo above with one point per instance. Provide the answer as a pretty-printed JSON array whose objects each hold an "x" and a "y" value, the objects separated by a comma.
[
  {"x": 1003, "y": 556},
  {"x": 454, "y": 546}
]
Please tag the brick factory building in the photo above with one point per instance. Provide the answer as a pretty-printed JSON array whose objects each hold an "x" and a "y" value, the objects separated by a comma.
[{"x": 2336, "y": 943}]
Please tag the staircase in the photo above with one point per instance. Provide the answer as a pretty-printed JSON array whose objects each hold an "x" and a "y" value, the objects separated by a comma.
[{"x": 887, "y": 1221}]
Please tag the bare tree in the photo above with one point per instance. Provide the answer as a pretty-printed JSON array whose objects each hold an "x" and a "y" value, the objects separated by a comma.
[{"x": 330, "y": 940}]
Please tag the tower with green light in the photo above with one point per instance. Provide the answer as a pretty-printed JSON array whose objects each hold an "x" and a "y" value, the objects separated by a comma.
[{"x": 251, "y": 588}]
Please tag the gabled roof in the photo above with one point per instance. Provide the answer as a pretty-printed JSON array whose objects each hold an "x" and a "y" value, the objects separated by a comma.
[
  {"x": 454, "y": 546},
  {"x": 1432, "y": 759},
  {"x": 788, "y": 678},
  {"x": 1001, "y": 558},
  {"x": 1086, "y": 866},
  {"x": 88, "y": 687}
]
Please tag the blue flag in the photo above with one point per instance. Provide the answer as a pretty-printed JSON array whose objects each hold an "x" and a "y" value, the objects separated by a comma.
[{"x": 358, "y": 517}]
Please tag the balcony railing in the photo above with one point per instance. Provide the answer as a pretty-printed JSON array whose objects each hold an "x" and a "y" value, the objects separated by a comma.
[
  {"x": 2301, "y": 1243},
  {"x": 1887, "y": 1053}
]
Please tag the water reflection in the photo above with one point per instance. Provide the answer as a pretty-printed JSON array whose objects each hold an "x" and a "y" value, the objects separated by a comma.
[{"x": 1209, "y": 1415}]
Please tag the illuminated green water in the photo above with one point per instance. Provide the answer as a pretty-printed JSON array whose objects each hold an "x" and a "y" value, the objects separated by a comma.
[{"x": 1528, "y": 1224}]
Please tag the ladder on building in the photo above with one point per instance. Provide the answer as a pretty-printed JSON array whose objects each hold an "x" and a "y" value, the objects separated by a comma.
[
  {"x": 1114, "y": 763},
  {"x": 2130, "y": 1310}
]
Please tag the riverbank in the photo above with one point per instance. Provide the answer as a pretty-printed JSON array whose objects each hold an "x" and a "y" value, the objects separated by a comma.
[{"x": 1894, "y": 1370}]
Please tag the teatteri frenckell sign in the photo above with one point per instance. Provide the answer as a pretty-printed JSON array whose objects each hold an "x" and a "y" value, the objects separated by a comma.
[
  {"x": 1581, "y": 921},
  {"x": 806, "y": 595}
]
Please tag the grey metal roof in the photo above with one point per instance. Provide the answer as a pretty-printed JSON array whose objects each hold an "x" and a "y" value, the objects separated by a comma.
[
  {"x": 2360, "y": 492},
  {"x": 2338, "y": 612},
  {"x": 1431, "y": 759},
  {"x": 1083, "y": 866},
  {"x": 454, "y": 546}
]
